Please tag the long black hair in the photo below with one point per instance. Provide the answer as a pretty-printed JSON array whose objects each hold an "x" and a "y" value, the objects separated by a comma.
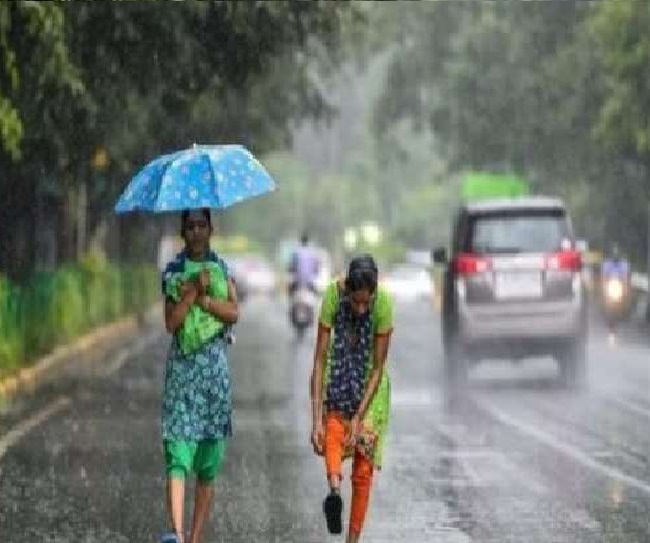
[{"x": 362, "y": 274}]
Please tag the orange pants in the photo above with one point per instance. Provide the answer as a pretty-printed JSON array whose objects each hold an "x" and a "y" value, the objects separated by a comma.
[{"x": 336, "y": 428}]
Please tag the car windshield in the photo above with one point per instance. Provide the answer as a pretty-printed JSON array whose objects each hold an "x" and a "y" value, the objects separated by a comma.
[{"x": 518, "y": 233}]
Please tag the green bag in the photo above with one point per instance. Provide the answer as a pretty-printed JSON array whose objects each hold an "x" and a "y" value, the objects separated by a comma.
[{"x": 199, "y": 326}]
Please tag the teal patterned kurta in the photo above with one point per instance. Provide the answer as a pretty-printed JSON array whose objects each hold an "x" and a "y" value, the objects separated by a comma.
[{"x": 197, "y": 401}]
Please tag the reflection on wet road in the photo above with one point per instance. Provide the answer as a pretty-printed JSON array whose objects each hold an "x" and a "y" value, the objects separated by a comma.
[{"x": 514, "y": 458}]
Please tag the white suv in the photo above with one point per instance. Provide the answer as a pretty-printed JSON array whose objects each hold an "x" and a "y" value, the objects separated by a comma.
[{"x": 513, "y": 287}]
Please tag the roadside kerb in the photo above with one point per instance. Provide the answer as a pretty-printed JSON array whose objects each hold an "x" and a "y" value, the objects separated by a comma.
[{"x": 28, "y": 378}]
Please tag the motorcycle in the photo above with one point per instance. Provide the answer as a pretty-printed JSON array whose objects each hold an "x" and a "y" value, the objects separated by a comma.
[
  {"x": 302, "y": 309},
  {"x": 615, "y": 301}
]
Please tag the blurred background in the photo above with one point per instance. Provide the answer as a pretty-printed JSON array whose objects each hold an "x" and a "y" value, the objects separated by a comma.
[
  {"x": 377, "y": 120},
  {"x": 369, "y": 116}
]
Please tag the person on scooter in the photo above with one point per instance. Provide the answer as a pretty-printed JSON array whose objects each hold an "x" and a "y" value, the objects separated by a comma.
[
  {"x": 616, "y": 266},
  {"x": 304, "y": 267},
  {"x": 615, "y": 275}
]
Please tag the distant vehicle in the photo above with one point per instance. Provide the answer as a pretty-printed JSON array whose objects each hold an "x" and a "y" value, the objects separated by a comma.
[
  {"x": 513, "y": 287},
  {"x": 614, "y": 300},
  {"x": 302, "y": 309},
  {"x": 253, "y": 274},
  {"x": 325, "y": 268},
  {"x": 419, "y": 257},
  {"x": 616, "y": 296},
  {"x": 409, "y": 282}
]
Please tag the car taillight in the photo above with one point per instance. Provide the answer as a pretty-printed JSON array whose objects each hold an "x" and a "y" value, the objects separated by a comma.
[
  {"x": 565, "y": 261},
  {"x": 469, "y": 264}
]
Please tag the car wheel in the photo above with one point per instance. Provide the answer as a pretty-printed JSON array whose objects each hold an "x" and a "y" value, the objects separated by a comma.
[{"x": 573, "y": 364}]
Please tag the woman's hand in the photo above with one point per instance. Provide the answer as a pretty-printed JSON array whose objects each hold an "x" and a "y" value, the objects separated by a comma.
[
  {"x": 189, "y": 291},
  {"x": 353, "y": 432},
  {"x": 203, "y": 282},
  {"x": 318, "y": 438}
]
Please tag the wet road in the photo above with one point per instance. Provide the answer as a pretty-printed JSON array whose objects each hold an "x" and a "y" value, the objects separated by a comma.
[{"x": 517, "y": 458}]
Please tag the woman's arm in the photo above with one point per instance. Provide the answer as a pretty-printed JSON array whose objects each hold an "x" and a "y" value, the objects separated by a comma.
[
  {"x": 227, "y": 311},
  {"x": 316, "y": 382},
  {"x": 175, "y": 313},
  {"x": 379, "y": 360}
]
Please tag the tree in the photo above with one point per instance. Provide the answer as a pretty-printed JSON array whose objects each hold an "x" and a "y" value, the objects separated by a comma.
[
  {"x": 620, "y": 31},
  {"x": 135, "y": 79},
  {"x": 524, "y": 88},
  {"x": 34, "y": 31}
]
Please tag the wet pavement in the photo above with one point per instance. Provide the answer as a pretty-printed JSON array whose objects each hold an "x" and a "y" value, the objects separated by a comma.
[{"x": 516, "y": 458}]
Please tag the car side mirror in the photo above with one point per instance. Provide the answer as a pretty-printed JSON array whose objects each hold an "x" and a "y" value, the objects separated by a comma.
[{"x": 439, "y": 255}]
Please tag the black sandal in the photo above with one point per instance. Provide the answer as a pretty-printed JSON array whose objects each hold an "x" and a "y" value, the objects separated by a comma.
[{"x": 333, "y": 507}]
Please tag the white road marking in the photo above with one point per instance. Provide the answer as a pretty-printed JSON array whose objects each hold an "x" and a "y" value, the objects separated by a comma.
[
  {"x": 124, "y": 354},
  {"x": 630, "y": 406},
  {"x": 567, "y": 450},
  {"x": 14, "y": 435}
]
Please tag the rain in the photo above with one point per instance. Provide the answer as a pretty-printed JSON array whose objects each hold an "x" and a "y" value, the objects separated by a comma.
[{"x": 325, "y": 271}]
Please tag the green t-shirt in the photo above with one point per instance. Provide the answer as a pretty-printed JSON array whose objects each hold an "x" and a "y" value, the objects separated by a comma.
[
  {"x": 382, "y": 319},
  {"x": 382, "y": 310},
  {"x": 376, "y": 419}
]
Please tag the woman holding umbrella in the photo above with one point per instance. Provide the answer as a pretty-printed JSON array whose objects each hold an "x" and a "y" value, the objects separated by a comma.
[
  {"x": 350, "y": 390},
  {"x": 200, "y": 307}
]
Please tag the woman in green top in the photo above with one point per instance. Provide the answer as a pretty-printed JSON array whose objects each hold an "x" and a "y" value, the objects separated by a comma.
[
  {"x": 350, "y": 389},
  {"x": 200, "y": 308}
]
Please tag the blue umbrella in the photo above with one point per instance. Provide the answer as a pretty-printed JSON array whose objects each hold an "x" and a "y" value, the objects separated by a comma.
[{"x": 213, "y": 176}]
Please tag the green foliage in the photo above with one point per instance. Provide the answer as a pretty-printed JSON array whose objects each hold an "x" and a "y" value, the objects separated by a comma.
[
  {"x": 136, "y": 79},
  {"x": 11, "y": 345},
  {"x": 36, "y": 303},
  {"x": 272, "y": 217},
  {"x": 557, "y": 92},
  {"x": 53, "y": 308},
  {"x": 620, "y": 30},
  {"x": 67, "y": 308},
  {"x": 33, "y": 62}
]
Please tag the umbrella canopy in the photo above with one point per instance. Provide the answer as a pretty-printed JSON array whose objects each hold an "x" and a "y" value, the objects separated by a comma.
[{"x": 212, "y": 176}]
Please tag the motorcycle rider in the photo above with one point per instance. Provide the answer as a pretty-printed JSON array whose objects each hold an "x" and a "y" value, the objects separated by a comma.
[
  {"x": 615, "y": 276},
  {"x": 304, "y": 267},
  {"x": 615, "y": 266}
]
